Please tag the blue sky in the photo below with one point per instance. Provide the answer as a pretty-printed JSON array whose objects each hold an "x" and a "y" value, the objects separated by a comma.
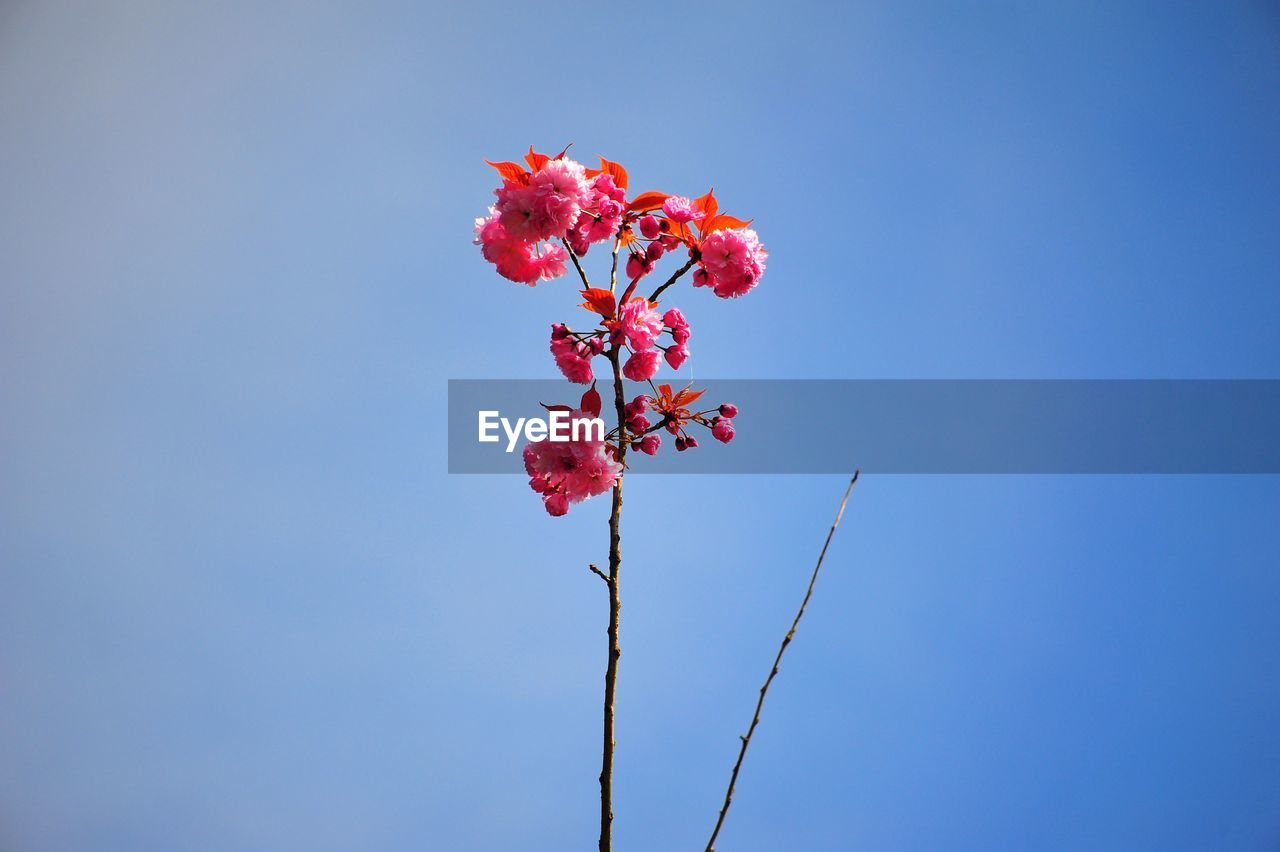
[{"x": 242, "y": 605}]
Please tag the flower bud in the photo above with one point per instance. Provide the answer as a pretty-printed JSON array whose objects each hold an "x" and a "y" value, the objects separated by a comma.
[
  {"x": 677, "y": 355},
  {"x": 728, "y": 409},
  {"x": 559, "y": 331},
  {"x": 557, "y": 504},
  {"x": 722, "y": 430},
  {"x": 638, "y": 424},
  {"x": 653, "y": 252},
  {"x": 691, "y": 441},
  {"x": 682, "y": 443},
  {"x": 635, "y": 267},
  {"x": 649, "y": 445},
  {"x": 649, "y": 226}
]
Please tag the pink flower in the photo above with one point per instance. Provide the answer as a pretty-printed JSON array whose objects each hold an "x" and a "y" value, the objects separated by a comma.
[
  {"x": 722, "y": 430},
  {"x": 551, "y": 263},
  {"x": 573, "y": 357},
  {"x": 565, "y": 472},
  {"x": 733, "y": 260},
  {"x": 637, "y": 423},
  {"x": 728, "y": 409},
  {"x": 677, "y": 355},
  {"x": 548, "y": 206},
  {"x": 680, "y": 209},
  {"x": 649, "y": 445},
  {"x": 601, "y": 216},
  {"x": 640, "y": 323},
  {"x": 642, "y": 366},
  {"x": 674, "y": 320},
  {"x": 649, "y": 226}
]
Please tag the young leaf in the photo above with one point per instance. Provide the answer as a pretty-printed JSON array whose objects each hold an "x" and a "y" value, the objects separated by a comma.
[
  {"x": 591, "y": 401},
  {"x": 725, "y": 221},
  {"x": 615, "y": 169},
  {"x": 510, "y": 171},
  {"x": 599, "y": 300},
  {"x": 686, "y": 396},
  {"x": 646, "y": 201},
  {"x": 535, "y": 160}
]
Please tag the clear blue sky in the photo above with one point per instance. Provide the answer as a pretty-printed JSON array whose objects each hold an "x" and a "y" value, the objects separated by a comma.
[{"x": 243, "y": 607}]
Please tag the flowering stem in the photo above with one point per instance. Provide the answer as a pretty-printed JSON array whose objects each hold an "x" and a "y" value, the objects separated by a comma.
[
  {"x": 674, "y": 278},
  {"x": 786, "y": 640},
  {"x": 615, "y": 607}
]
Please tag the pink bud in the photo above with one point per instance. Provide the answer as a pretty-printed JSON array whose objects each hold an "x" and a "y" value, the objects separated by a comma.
[
  {"x": 691, "y": 441},
  {"x": 682, "y": 443},
  {"x": 640, "y": 404},
  {"x": 701, "y": 278},
  {"x": 596, "y": 345},
  {"x": 649, "y": 226},
  {"x": 557, "y": 504},
  {"x": 635, "y": 267},
  {"x": 728, "y": 409},
  {"x": 539, "y": 484},
  {"x": 669, "y": 242},
  {"x": 677, "y": 355},
  {"x": 579, "y": 242},
  {"x": 649, "y": 445},
  {"x": 638, "y": 424},
  {"x": 653, "y": 252},
  {"x": 559, "y": 331},
  {"x": 722, "y": 430}
]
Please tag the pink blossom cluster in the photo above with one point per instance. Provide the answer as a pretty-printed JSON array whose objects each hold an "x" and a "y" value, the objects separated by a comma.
[
  {"x": 517, "y": 259},
  {"x": 731, "y": 263},
  {"x": 548, "y": 213},
  {"x": 565, "y": 472}
]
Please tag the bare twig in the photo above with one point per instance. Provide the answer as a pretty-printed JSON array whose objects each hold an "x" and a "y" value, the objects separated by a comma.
[
  {"x": 674, "y": 278},
  {"x": 786, "y": 640},
  {"x": 576, "y": 263},
  {"x": 599, "y": 573},
  {"x": 615, "y": 609}
]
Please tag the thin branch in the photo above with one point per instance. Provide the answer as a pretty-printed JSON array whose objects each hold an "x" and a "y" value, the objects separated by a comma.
[
  {"x": 599, "y": 573},
  {"x": 755, "y": 720},
  {"x": 576, "y": 264},
  {"x": 615, "y": 609},
  {"x": 674, "y": 278}
]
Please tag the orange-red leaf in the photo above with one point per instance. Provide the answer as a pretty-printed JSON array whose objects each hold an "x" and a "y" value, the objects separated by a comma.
[
  {"x": 599, "y": 300},
  {"x": 665, "y": 390},
  {"x": 510, "y": 171},
  {"x": 626, "y": 238},
  {"x": 646, "y": 201},
  {"x": 615, "y": 169},
  {"x": 535, "y": 160},
  {"x": 686, "y": 396},
  {"x": 708, "y": 207},
  {"x": 725, "y": 221}
]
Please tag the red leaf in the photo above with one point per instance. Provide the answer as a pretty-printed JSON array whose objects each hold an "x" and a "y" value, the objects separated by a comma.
[
  {"x": 535, "y": 160},
  {"x": 686, "y": 396},
  {"x": 555, "y": 407},
  {"x": 646, "y": 201},
  {"x": 665, "y": 390},
  {"x": 510, "y": 171},
  {"x": 725, "y": 221},
  {"x": 562, "y": 153},
  {"x": 708, "y": 207},
  {"x": 591, "y": 401},
  {"x": 615, "y": 169},
  {"x": 599, "y": 300}
]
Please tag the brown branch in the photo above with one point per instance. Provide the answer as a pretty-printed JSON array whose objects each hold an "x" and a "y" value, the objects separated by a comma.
[
  {"x": 786, "y": 640},
  {"x": 674, "y": 278},
  {"x": 576, "y": 264},
  {"x": 615, "y": 608},
  {"x": 599, "y": 573}
]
